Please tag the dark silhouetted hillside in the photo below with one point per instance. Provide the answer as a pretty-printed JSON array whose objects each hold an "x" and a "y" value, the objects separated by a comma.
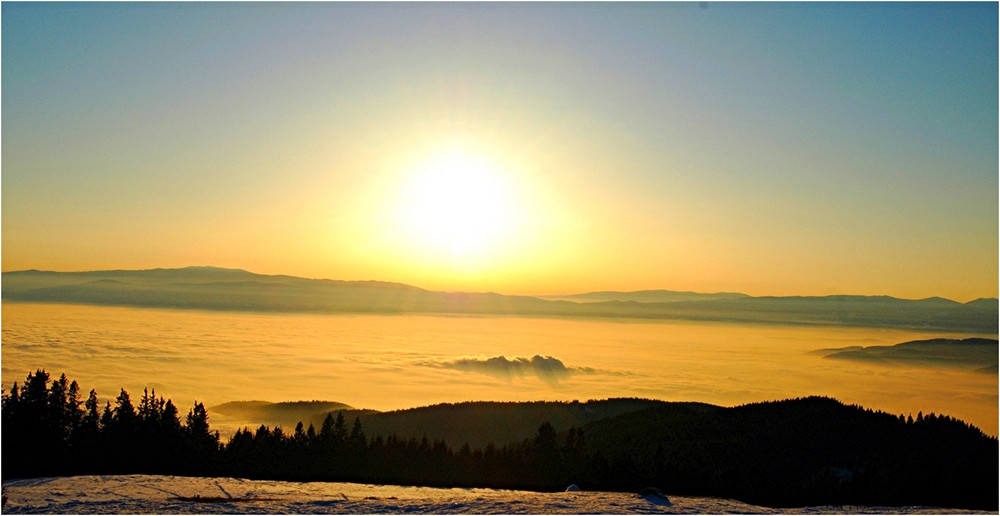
[
  {"x": 972, "y": 354},
  {"x": 284, "y": 414},
  {"x": 810, "y": 451},
  {"x": 481, "y": 423},
  {"x": 793, "y": 453}
]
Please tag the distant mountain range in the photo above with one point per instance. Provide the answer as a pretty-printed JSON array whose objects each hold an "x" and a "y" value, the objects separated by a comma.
[
  {"x": 211, "y": 288},
  {"x": 979, "y": 355},
  {"x": 645, "y": 296}
]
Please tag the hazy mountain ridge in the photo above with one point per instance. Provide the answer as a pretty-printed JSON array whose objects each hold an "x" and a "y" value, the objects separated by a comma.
[
  {"x": 286, "y": 413},
  {"x": 210, "y": 288},
  {"x": 645, "y": 296},
  {"x": 973, "y": 353}
]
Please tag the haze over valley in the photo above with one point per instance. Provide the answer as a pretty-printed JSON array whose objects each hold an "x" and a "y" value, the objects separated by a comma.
[
  {"x": 409, "y": 360},
  {"x": 211, "y": 288}
]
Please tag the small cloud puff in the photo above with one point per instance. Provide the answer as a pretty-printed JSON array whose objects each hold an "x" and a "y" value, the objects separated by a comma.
[{"x": 549, "y": 369}]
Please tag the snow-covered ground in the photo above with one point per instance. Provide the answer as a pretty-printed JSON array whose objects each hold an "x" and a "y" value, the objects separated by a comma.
[{"x": 137, "y": 494}]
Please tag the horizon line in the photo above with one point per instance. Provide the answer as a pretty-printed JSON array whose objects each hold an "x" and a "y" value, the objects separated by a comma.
[{"x": 540, "y": 296}]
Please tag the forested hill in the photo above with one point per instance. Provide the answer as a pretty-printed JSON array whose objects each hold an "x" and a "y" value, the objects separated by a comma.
[
  {"x": 793, "y": 453},
  {"x": 481, "y": 423},
  {"x": 210, "y": 288},
  {"x": 476, "y": 423},
  {"x": 802, "y": 452}
]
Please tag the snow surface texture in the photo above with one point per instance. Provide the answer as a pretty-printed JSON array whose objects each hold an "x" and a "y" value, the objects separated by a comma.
[{"x": 144, "y": 494}]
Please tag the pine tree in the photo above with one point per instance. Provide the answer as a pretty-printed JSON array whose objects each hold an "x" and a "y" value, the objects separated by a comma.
[
  {"x": 170, "y": 419},
  {"x": 125, "y": 420},
  {"x": 357, "y": 434},
  {"x": 340, "y": 428},
  {"x": 56, "y": 414},
  {"x": 197, "y": 421},
  {"x": 91, "y": 418},
  {"x": 148, "y": 415},
  {"x": 11, "y": 402},
  {"x": 74, "y": 409},
  {"x": 201, "y": 445},
  {"x": 326, "y": 430},
  {"x": 107, "y": 417},
  {"x": 36, "y": 388}
]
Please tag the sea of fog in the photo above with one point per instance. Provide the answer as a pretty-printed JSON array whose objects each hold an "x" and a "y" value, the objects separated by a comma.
[
  {"x": 156, "y": 494},
  {"x": 387, "y": 362}
]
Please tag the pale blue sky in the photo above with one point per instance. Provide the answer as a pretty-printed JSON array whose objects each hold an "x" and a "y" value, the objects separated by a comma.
[{"x": 768, "y": 148}]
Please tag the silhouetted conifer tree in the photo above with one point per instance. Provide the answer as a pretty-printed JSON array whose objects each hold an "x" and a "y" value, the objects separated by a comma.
[
  {"x": 107, "y": 416},
  {"x": 74, "y": 408},
  {"x": 357, "y": 436},
  {"x": 170, "y": 419},
  {"x": 124, "y": 421},
  {"x": 841, "y": 454},
  {"x": 340, "y": 428},
  {"x": 91, "y": 418},
  {"x": 199, "y": 440},
  {"x": 56, "y": 417},
  {"x": 326, "y": 430}
]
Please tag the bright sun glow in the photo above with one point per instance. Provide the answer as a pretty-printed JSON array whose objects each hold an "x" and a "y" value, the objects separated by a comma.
[{"x": 459, "y": 203}]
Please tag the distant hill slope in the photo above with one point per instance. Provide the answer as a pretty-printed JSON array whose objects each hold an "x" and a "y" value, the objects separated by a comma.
[
  {"x": 645, "y": 296},
  {"x": 210, "y": 288},
  {"x": 285, "y": 414},
  {"x": 800, "y": 452},
  {"x": 477, "y": 423},
  {"x": 481, "y": 423},
  {"x": 975, "y": 354},
  {"x": 790, "y": 453}
]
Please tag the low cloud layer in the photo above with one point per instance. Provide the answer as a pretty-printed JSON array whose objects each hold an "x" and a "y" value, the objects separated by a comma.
[{"x": 549, "y": 369}]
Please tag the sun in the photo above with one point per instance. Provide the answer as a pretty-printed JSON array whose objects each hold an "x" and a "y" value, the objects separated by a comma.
[{"x": 459, "y": 203}]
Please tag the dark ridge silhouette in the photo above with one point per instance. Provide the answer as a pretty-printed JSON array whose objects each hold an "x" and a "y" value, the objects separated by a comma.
[
  {"x": 972, "y": 354},
  {"x": 792, "y": 453},
  {"x": 483, "y": 422},
  {"x": 283, "y": 413},
  {"x": 210, "y": 288},
  {"x": 807, "y": 451},
  {"x": 476, "y": 423},
  {"x": 646, "y": 296}
]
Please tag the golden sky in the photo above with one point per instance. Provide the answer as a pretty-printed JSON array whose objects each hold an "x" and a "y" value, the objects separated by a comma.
[{"x": 771, "y": 149}]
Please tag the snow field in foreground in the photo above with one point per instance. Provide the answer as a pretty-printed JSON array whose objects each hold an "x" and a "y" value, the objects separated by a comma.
[{"x": 156, "y": 494}]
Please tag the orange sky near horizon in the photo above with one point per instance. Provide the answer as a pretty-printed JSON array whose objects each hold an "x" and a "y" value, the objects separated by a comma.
[{"x": 517, "y": 148}]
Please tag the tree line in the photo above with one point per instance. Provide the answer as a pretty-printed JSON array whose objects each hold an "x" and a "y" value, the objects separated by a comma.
[
  {"x": 49, "y": 430},
  {"x": 809, "y": 451}
]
